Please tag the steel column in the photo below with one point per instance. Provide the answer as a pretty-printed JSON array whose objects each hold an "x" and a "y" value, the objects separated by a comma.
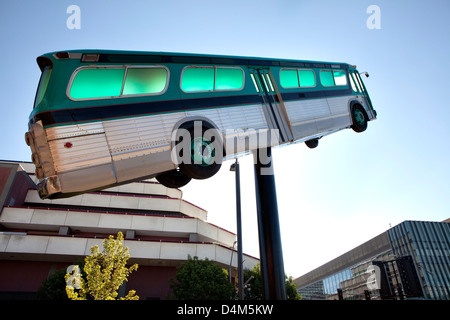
[
  {"x": 239, "y": 233},
  {"x": 271, "y": 253}
]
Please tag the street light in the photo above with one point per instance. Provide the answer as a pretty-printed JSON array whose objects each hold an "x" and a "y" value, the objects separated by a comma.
[{"x": 235, "y": 168}]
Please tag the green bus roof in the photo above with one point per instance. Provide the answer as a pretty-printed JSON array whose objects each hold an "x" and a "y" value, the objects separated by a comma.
[{"x": 118, "y": 56}]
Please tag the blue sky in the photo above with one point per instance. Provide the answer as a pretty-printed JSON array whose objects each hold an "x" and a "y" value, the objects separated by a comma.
[{"x": 330, "y": 199}]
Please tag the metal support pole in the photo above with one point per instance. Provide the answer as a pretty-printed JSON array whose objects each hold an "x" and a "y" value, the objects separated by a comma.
[
  {"x": 271, "y": 254},
  {"x": 239, "y": 233}
]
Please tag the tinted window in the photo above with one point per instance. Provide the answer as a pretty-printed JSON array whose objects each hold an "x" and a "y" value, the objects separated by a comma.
[
  {"x": 97, "y": 83},
  {"x": 198, "y": 79},
  {"x": 307, "y": 78},
  {"x": 229, "y": 79},
  {"x": 333, "y": 78},
  {"x": 326, "y": 78},
  {"x": 352, "y": 82},
  {"x": 297, "y": 78},
  {"x": 289, "y": 78},
  {"x": 339, "y": 78},
  {"x": 211, "y": 79},
  {"x": 145, "y": 81},
  {"x": 43, "y": 84}
]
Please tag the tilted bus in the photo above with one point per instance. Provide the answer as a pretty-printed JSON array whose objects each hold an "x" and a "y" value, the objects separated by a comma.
[{"x": 103, "y": 118}]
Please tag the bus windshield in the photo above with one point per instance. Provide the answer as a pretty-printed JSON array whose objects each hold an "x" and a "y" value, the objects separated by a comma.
[{"x": 43, "y": 84}]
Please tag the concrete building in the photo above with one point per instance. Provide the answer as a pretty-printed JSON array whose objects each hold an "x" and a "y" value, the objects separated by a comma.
[
  {"x": 38, "y": 237},
  {"x": 409, "y": 261}
]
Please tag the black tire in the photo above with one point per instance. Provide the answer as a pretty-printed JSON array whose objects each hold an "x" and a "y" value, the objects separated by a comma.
[
  {"x": 359, "y": 119},
  {"x": 173, "y": 179},
  {"x": 205, "y": 158},
  {"x": 313, "y": 143}
]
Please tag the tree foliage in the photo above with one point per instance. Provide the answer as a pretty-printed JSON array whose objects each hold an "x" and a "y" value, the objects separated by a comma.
[
  {"x": 254, "y": 290},
  {"x": 201, "y": 280},
  {"x": 54, "y": 287},
  {"x": 105, "y": 271}
]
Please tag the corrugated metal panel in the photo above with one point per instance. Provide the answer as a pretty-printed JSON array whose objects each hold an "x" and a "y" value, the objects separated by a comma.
[
  {"x": 136, "y": 134},
  {"x": 239, "y": 117},
  {"x": 303, "y": 110},
  {"x": 74, "y": 130},
  {"x": 85, "y": 151},
  {"x": 339, "y": 105}
]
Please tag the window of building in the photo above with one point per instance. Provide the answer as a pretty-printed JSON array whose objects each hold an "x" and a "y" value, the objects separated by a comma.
[
  {"x": 198, "y": 79},
  {"x": 296, "y": 78},
  {"x": 329, "y": 78}
]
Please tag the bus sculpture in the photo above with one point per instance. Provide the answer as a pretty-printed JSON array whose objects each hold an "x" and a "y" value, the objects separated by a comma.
[{"x": 104, "y": 118}]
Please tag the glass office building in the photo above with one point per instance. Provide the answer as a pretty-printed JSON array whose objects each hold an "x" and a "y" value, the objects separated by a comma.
[
  {"x": 411, "y": 260},
  {"x": 428, "y": 243}
]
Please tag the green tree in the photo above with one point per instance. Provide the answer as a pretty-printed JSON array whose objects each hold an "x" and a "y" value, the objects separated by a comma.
[
  {"x": 104, "y": 273},
  {"x": 201, "y": 280},
  {"x": 54, "y": 287},
  {"x": 254, "y": 290}
]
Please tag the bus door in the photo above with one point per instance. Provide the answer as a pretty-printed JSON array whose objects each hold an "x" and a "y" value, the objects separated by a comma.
[
  {"x": 362, "y": 88},
  {"x": 274, "y": 109}
]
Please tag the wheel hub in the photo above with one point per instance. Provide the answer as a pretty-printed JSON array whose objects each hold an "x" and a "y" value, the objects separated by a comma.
[{"x": 202, "y": 151}]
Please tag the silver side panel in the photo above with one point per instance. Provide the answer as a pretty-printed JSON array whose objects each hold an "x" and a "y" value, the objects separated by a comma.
[
  {"x": 311, "y": 117},
  {"x": 95, "y": 155},
  {"x": 83, "y": 152},
  {"x": 81, "y": 156},
  {"x": 239, "y": 117},
  {"x": 244, "y": 127},
  {"x": 141, "y": 146}
]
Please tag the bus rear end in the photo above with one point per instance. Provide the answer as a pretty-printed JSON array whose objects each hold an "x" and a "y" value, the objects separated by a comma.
[
  {"x": 70, "y": 156},
  {"x": 36, "y": 137}
]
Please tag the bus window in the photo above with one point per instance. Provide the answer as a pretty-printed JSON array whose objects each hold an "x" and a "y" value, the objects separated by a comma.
[
  {"x": 289, "y": 78},
  {"x": 296, "y": 78},
  {"x": 254, "y": 82},
  {"x": 330, "y": 78},
  {"x": 326, "y": 78},
  {"x": 140, "y": 81},
  {"x": 268, "y": 82},
  {"x": 229, "y": 79},
  {"x": 355, "y": 79},
  {"x": 43, "y": 84},
  {"x": 307, "y": 78},
  {"x": 195, "y": 79},
  {"x": 339, "y": 78},
  {"x": 353, "y": 84},
  {"x": 92, "y": 83}
]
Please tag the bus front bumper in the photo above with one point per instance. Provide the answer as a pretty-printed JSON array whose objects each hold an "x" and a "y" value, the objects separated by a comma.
[{"x": 49, "y": 186}]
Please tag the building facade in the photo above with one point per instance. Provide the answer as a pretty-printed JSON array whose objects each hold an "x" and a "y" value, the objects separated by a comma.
[
  {"x": 38, "y": 237},
  {"x": 409, "y": 261}
]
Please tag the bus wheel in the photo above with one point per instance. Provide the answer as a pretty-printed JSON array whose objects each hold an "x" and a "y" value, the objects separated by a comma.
[
  {"x": 205, "y": 153},
  {"x": 359, "y": 119},
  {"x": 173, "y": 179},
  {"x": 313, "y": 143}
]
